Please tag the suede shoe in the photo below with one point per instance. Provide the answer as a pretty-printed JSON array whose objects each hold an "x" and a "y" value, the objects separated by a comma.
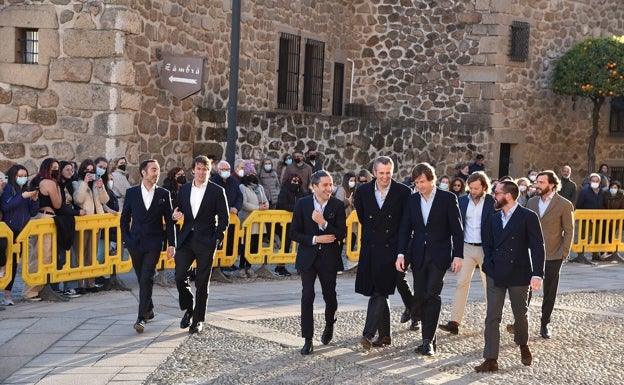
[
  {"x": 139, "y": 325},
  {"x": 366, "y": 341},
  {"x": 525, "y": 355},
  {"x": 451, "y": 327},
  {"x": 380, "y": 342},
  {"x": 489, "y": 365},
  {"x": 511, "y": 329}
]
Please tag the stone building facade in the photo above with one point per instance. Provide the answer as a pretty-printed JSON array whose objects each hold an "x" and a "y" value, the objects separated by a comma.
[{"x": 435, "y": 77}]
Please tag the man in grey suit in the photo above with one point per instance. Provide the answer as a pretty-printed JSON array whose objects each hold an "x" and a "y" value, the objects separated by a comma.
[
  {"x": 556, "y": 216},
  {"x": 513, "y": 248}
]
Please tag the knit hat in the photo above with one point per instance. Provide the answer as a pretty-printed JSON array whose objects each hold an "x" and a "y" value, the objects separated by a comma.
[{"x": 250, "y": 168}]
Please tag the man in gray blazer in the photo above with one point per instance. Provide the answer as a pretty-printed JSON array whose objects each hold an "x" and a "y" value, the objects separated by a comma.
[{"x": 557, "y": 220}]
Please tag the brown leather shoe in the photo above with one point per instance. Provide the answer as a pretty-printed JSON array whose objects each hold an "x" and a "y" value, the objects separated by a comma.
[
  {"x": 511, "y": 329},
  {"x": 366, "y": 341},
  {"x": 451, "y": 327},
  {"x": 489, "y": 365},
  {"x": 525, "y": 355},
  {"x": 380, "y": 342}
]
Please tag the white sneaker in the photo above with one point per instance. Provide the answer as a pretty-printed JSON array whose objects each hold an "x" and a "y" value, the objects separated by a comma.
[
  {"x": 6, "y": 302},
  {"x": 71, "y": 293}
]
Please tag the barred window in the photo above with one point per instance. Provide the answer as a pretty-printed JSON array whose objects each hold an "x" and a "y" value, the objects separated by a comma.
[
  {"x": 288, "y": 71},
  {"x": 313, "y": 76},
  {"x": 28, "y": 46},
  {"x": 339, "y": 69},
  {"x": 519, "y": 44},
  {"x": 616, "y": 121}
]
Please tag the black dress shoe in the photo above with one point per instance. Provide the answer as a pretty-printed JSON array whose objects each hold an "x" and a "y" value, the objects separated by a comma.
[
  {"x": 186, "y": 319},
  {"x": 427, "y": 348},
  {"x": 415, "y": 326},
  {"x": 405, "y": 316},
  {"x": 544, "y": 332},
  {"x": 307, "y": 348},
  {"x": 328, "y": 334},
  {"x": 196, "y": 327},
  {"x": 139, "y": 325},
  {"x": 451, "y": 327}
]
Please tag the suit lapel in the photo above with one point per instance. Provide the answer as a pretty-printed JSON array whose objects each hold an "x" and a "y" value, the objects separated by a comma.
[
  {"x": 551, "y": 205},
  {"x": 511, "y": 224}
]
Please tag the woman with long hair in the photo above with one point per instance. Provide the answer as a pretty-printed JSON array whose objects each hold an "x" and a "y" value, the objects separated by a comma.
[
  {"x": 176, "y": 177},
  {"x": 18, "y": 205}
]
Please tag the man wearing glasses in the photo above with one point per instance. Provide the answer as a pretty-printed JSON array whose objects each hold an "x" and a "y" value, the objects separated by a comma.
[{"x": 513, "y": 246}]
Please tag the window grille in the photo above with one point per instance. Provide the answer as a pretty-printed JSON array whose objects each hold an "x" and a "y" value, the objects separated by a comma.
[
  {"x": 288, "y": 71},
  {"x": 313, "y": 76},
  {"x": 616, "y": 121},
  {"x": 28, "y": 46},
  {"x": 337, "y": 96},
  {"x": 519, "y": 44}
]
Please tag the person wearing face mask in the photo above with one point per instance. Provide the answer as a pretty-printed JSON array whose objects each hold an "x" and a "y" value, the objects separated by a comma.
[
  {"x": 49, "y": 200},
  {"x": 223, "y": 178},
  {"x": 176, "y": 177},
  {"x": 120, "y": 178},
  {"x": 568, "y": 187},
  {"x": 300, "y": 168},
  {"x": 290, "y": 192},
  {"x": 287, "y": 160},
  {"x": 238, "y": 171},
  {"x": 590, "y": 198},
  {"x": 313, "y": 162},
  {"x": 523, "y": 188},
  {"x": 18, "y": 205},
  {"x": 270, "y": 181},
  {"x": 445, "y": 183}
]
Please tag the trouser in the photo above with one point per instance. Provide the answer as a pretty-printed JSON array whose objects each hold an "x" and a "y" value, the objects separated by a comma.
[
  {"x": 144, "y": 264},
  {"x": 473, "y": 257},
  {"x": 428, "y": 283},
  {"x": 407, "y": 295},
  {"x": 377, "y": 315},
  {"x": 189, "y": 252},
  {"x": 518, "y": 296},
  {"x": 327, "y": 278},
  {"x": 550, "y": 286}
]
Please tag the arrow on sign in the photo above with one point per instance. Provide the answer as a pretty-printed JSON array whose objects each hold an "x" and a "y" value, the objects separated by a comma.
[{"x": 182, "y": 80}]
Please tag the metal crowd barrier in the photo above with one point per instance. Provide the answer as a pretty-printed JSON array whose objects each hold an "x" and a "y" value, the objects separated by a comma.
[
  {"x": 273, "y": 227},
  {"x": 6, "y": 240},
  {"x": 598, "y": 231}
]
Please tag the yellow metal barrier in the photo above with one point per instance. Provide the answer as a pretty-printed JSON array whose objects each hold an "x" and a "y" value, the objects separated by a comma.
[
  {"x": 221, "y": 259},
  {"x": 598, "y": 231},
  {"x": 273, "y": 223},
  {"x": 353, "y": 227},
  {"x": 7, "y": 235},
  {"x": 38, "y": 242}
]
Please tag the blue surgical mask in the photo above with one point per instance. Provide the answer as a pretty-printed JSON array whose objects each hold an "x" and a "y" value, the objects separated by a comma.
[
  {"x": 288, "y": 161},
  {"x": 267, "y": 167},
  {"x": 100, "y": 171},
  {"x": 444, "y": 186},
  {"x": 613, "y": 191},
  {"x": 21, "y": 180},
  {"x": 225, "y": 174}
]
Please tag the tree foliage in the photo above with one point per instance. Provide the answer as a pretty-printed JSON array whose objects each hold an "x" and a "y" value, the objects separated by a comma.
[{"x": 593, "y": 68}]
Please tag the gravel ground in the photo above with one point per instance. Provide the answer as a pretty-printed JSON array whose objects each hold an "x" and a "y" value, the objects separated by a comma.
[{"x": 587, "y": 348}]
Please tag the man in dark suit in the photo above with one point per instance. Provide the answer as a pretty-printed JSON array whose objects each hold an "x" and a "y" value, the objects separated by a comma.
[
  {"x": 476, "y": 209},
  {"x": 379, "y": 205},
  {"x": 433, "y": 221},
  {"x": 318, "y": 226},
  {"x": 145, "y": 208},
  {"x": 514, "y": 260},
  {"x": 203, "y": 205}
]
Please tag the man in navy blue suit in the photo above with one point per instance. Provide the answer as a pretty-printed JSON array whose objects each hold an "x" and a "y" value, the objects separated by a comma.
[
  {"x": 433, "y": 221},
  {"x": 514, "y": 261},
  {"x": 476, "y": 209},
  {"x": 319, "y": 227},
  {"x": 204, "y": 207},
  {"x": 145, "y": 208}
]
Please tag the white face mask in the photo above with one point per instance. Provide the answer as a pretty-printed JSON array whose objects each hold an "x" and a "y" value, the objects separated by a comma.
[
  {"x": 613, "y": 191},
  {"x": 241, "y": 172},
  {"x": 351, "y": 184},
  {"x": 594, "y": 185},
  {"x": 100, "y": 171},
  {"x": 444, "y": 186},
  {"x": 532, "y": 178},
  {"x": 21, "y": 180},
  {"x": 522, "y": 188},
  {"x": 267, "y": 167}
]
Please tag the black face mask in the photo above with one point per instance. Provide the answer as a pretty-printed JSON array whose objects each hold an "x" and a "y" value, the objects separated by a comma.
[
  {"x": 312, "y": 157},
  {"x": 55, "y": 174},
  {"x": 294, "y": 187},
  {"x": 252, "y": 179},
  {"x": 181, "y": 179},
  {"x": 298, "y": 160},
  {"x": 122, "y": 167}
]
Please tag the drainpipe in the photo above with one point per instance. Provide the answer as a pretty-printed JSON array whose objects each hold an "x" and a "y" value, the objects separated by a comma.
[
  {"x": 351, "y": 84},
  {"x": 232, "y": 118}
]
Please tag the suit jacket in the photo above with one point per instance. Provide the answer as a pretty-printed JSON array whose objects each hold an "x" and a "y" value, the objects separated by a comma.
[
  {"x": 303, "y": 229},
  {"x": 143, "y": 229},
  {"x": 486, "y": 213},
  {"x": 557, "y": 225},
  {"x": 212, "y": 217},
  {"x": 379, "y": 234},
  {"x": 442, "y": 235},
  {"x": 516, "y": 253}
]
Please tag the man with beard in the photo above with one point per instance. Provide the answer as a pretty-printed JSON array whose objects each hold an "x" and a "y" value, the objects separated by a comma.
[
  {"x": 513, "y": 261},
  {"x": 557, "y": 220},
  {"x": 568, "y": 187},
  {"x": 300, "y": 168}
]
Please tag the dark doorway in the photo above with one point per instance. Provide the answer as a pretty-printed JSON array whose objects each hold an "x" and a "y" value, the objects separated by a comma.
[{"x": 504, "y": 159}]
